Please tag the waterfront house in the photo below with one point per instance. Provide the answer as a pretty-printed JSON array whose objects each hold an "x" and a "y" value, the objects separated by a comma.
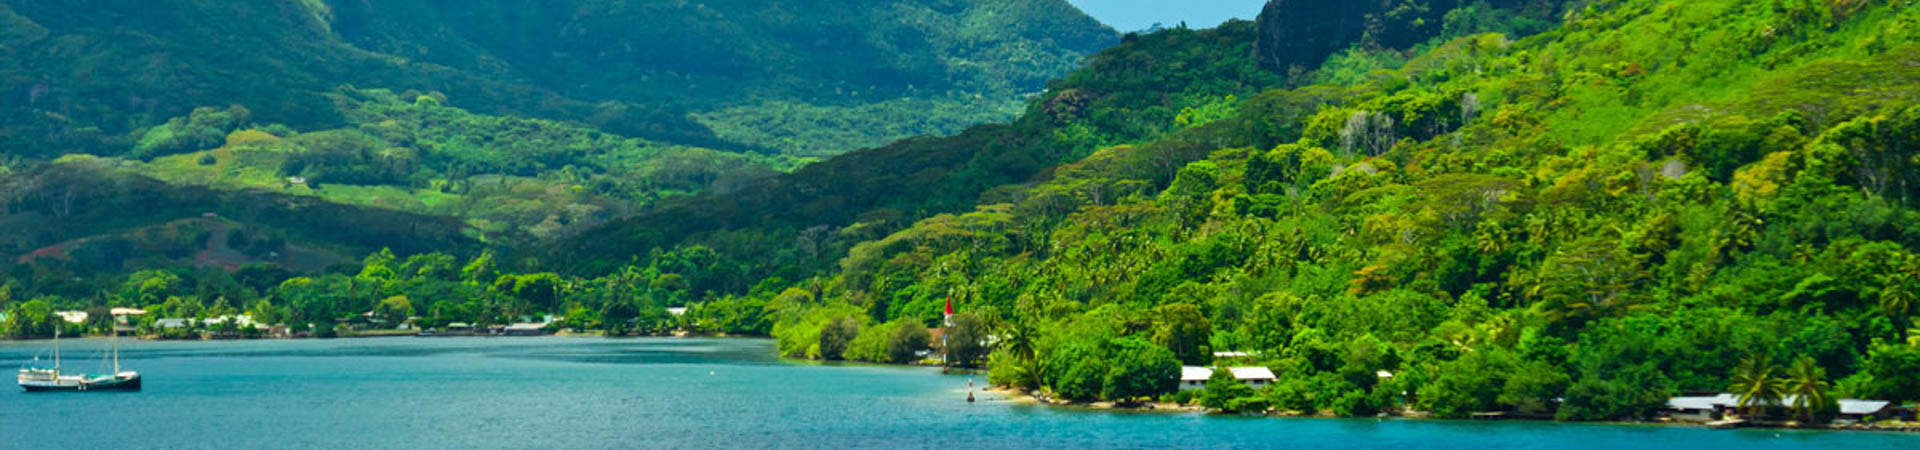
[
  {"x": 1195, "y": 377},
  {"x": 1254, "y": 376},
  {"x": 1700, "y": 408},
  {"x": 525, "y": 329},
  {"x": 677, "y": 311},
  {"x": 72, "y": 316},
  {"x": 1856, "y": 411},
  {"x": 241, "y": 321}
]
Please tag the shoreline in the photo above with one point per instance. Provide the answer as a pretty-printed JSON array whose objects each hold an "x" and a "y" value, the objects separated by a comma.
[
  {"x": 1018, "y": 396},
  {"x": 1024, "y": 397},
  {"x": 381, "y": 335}
]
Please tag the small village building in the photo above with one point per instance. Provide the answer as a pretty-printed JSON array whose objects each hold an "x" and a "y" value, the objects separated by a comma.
[
  {"x": 1705, "y": 408},
  {"x": 1700, "y": 408},
  {"x": 1856, "y": 411},
  {"x": 242, "y": 321},
  {"x": 72, "y": 316},
  {"x": 1195, "y": 377},
  {"x": 677, "y": 311},
  {"x": 1255, "y": 376},
  {"x": 459, "y": 326},
  {"x": 525, "y": 329},
  {"x": 170, "y": 323}
]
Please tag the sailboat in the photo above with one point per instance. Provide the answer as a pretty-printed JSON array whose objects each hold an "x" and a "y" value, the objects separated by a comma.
[{"x": 37, "y": 379}]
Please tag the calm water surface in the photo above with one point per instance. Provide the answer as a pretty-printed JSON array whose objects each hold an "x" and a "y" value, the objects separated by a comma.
[{"x": 596, "y": 393}]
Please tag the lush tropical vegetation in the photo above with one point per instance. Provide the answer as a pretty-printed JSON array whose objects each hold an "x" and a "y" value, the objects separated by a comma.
[
  {"x": 87, "y": 76},
  {"x": 1554, "y": 209}
]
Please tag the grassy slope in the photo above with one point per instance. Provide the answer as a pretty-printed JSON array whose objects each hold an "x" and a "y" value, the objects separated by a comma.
[{"x": 515, "y": 181}]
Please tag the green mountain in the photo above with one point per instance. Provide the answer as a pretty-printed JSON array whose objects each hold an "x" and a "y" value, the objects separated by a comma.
[
  {"x": 518, "y": 123},
  {"x": 1548, "y": 209},
  {"x": 1647, "y": 198},
  {"x": 84, "y": 76}
]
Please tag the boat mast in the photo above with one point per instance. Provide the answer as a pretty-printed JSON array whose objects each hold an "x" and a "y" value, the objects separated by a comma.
[
  {"x": 114, "y": 339},
  {"x": 56, "y": 348}
]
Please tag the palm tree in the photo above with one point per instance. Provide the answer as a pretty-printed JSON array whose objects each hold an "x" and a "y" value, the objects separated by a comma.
[
  {"x": 1756, "y": 386},
  {"x": 1897, "y": 298},
  {"x": 1807, "y": 382},
  {"x": 1020, "y": 339}
]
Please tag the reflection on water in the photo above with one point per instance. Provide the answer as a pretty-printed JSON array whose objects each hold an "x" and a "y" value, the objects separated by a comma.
[{"x": 624, "y": 393}]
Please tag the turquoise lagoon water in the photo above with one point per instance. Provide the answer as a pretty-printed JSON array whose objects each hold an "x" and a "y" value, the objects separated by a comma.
[{"x": 577, "y": 393}]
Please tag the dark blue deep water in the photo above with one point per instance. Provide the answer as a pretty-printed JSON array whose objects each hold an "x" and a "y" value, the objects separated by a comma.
[{"x": 577, "y": 393}]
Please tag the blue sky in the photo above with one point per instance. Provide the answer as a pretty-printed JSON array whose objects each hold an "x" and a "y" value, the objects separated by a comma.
[{"x": 1133, "y": 15}]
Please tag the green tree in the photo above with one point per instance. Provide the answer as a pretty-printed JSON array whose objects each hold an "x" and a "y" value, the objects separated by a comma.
[
  {"x": 966, "y": 340},
  {"x": 30, "y": 319},
  {"x": 537, "y": 292},
  {"x": 836, "y": 335},
  {"x": 1181, "y": 327},
  {"x": 617, "y": 315},
  {"x": 907, "y": 341},
  {"x": 394, "y": 310},
  {"x": 1534, "y": 387},
  {"x": 1806, "y": 381},
  {"x": 1223, "y": 389},
  {"x": 264, "y": 311},
  {"x": 1018, "y": 340},
  {"x": 153, "y": 286},
  {"x": 1887, "y": 373},
  {"x": 1137, "y": 368},
  {"x": 1756, "y": 387},
  {"x": 1076, "y": 371},
  {"x": 480, "y": 269},
  {"x": 1897, "y": 295}
]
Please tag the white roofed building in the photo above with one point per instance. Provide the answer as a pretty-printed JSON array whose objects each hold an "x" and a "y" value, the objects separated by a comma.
[
  {"x": 1195, "y": 377},
  {"x": 72, "y": 316},
  {"x": 1708, "y": 408},
  {"x": 1856, "y": 411},
  {"x": 1255, "y": 376}
]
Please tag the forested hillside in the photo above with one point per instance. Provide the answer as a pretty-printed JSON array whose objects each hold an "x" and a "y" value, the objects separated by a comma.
[
  {"x": 1554, "y": 209},
  {"x": 463, "y": 124},
  {"x": 1649, "y": 198},
  {"x": 805, "y": 78}
]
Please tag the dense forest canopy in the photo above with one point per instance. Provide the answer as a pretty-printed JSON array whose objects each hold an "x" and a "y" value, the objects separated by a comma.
[
  {"x": 80, "y": 76},
  {"x": 501, "y": 123},
  {"x": 1564, "y": 209}
]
